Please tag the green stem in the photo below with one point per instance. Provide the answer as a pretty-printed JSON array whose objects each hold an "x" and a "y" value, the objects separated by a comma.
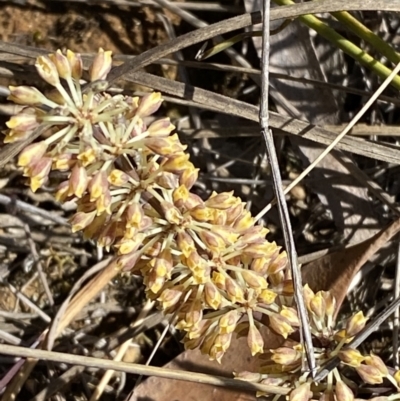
[
  {"x": 370, "y": 37},
  {"x": 345, "y": 45}
]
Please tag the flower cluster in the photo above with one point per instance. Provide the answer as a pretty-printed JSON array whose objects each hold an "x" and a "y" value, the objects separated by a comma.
[
  {"x": 206, "y": 261},
  {"x": 283, "y": 366}
]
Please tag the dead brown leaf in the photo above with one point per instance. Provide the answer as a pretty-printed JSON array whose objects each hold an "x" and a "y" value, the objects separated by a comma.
[{"x": 238, "y": 358}]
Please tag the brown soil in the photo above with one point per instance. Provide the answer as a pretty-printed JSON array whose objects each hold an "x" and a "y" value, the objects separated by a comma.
[{"x": 82, "y": 27}]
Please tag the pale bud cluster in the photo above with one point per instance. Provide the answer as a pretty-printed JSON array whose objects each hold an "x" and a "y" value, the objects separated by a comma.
[
  {"x": 282, "y": 366},
  {"x": 206, "y": 261}
]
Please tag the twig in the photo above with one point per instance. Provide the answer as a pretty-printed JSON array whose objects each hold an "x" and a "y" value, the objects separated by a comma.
[
  {"x": 56, "y": 384},
  {"x": 396, "y": 295},
  {"x": 39, "y": 266},
  {"x": 278, "y": 189},
  {"x": 331, "y": 146},
  {"x": 203, "y": 98},
  {"x": 121, "y": 352},
  {"x": 135, "y": 368},
  {"x": 23, "y": 298},
  {"x": 199, "y": 6},
  {"x": 244, "y": 21},
  {"x": 8, "y": 109},
  {"x": 372, "y": 186},
  {"x": 375, "y": 150},
  {"x": 26, "y": 207}
]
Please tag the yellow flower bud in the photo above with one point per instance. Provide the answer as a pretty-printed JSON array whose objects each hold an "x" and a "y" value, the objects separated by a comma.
[
  {"x": 47, "y": 70},
  {"x": 351, "y": 357},
  {"x": 355, "y": 324},
  {"x": 161, "y": 127},
  {"x": 32, "y": 154},
  {"x": 280, "y": 325},
  {"x": 62, "y": 64},
  {"x": 317, "y": 305},
  {"x": 170, "y": 296},
  {"x": 267, "y": 296},
  {"x": 118, "y": 178},
  {"x": 212, "y": 295},
  {"x": 149, "y": 104},
  {"x": 98, "y": 185},
  {"x": 24, "y": 121},
  {"x": 81, "y": 220},
  {"x": 75, "y": 61},
  {"x": 255, "y": 340},
  {"x": 78, "y": 181},
  {"x": 234, "y": 291},
  {"x": 285, "y": 356},
  {"x": 254, "y": 280},
  {"x": 227, "y": 323}
]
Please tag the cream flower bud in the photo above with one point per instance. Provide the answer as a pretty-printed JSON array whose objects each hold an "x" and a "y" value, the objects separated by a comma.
[
  {"x": 127, "y": 262},
  {"x": 75, "y": 61},
  {"x": 189, "y": 176},
  {"x": 26, "y": 95},
  {"x": 134, "y": 215},
  {"x": 227, "y": 323},
  {"x": 254, "y": 280},
  {"x": 374, "y": 360},
  {"x": 78, "y": 181},
  {"x": 343, "y": 392},
  {"x": 171, "y": 213},
  {"x": 234, "y": 291},
  {"x": 118, "y": 177},
  {"x": 62, "y": 64},
  {"x": 255, "y": 340},
  {"x": 291, "y": 315},
  {"x": 301, "y": 393},
  {"x": 101, "y": 65},
  {"x": 308, "y": 294},
  {"x": 81, "y": 220},
  {"x": 252, "y": 377},
  {"x": 212, "y": 295},
  {"x": 149, "y": 104},
  {"x": 267, "y": 296},
  {"x": 24, "y": 121},
  {"x": 285, "y": 355},
  {"x": 161, "y": 127},
  {"x": 224, "y": 200},
  {"x": 47, "y": 70},
  {"x": 280, "y": 325},
  {"x": 39, "y": 172},
  {"x": 32, "y": 154},
  {"x": 370, "y": 374},
  {"x": 126, "y": 246},
  {"x": 98, "y": 185}
]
